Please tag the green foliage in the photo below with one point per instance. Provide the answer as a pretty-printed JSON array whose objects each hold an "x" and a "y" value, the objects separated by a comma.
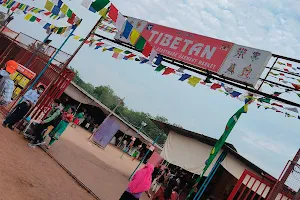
[{"x": 107, "y": 96}]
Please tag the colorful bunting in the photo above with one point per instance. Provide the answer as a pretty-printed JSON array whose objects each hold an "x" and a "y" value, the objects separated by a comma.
[
  {"x": 99, "y": 4},
  {"x": 134, "y": 35},
  {"x": 113, "y": 12},
  {"x": 140, "y": 43},
  {"x": 184, "y": 77},
  {"x": 215, "y": 86},
  {"x": 127, "y": 30},
  {"x": 147, "y": 50},
  {"x": 193, "y": 81},
  {"x": 160, "y": 68},
  {"x": 168, "y": 71}
]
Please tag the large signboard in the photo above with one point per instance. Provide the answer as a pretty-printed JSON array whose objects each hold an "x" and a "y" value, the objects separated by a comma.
[
  {"x": 200, "y": 51},
  {"x": 237, "y": 62},
  {"x": 245, "y": 64}
]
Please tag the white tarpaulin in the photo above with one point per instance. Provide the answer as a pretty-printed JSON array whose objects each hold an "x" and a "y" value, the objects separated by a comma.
[{"x": 191, "y": 154}]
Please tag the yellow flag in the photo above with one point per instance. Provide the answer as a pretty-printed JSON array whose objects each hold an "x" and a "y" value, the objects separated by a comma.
[
  {"x": 28, "y": 16},
  {"x": 103, "y": 12},
  {"x": 116, "y": 50},
  {"x": 76, "y": 37},
  {"x": 134, "y": 36},
  {"x": 23, "y": 6},
  {"x": 193, "y": 81},
  {"x": 49, "y": 5},
  {"x": 64, "y": 9},
  {"x": 36, "y": 10}
]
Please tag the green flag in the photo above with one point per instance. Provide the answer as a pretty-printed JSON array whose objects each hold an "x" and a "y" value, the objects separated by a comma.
[{"x": 215, "y": 150}]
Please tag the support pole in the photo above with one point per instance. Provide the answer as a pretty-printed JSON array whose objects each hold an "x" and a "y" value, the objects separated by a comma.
[
  {"x": 156, "y": 139},
  {"x": 210, "y": 176}
]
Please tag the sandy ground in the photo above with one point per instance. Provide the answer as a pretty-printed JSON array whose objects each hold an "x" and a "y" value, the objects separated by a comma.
[
  {"x": 101, "y": 170},
  {"x": 27, "y": 173}
]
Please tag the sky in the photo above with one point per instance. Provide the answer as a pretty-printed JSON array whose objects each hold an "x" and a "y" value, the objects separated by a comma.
[{"x": 262, "y": 136}]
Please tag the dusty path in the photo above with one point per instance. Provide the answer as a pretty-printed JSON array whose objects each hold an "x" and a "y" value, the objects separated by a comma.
[
  {"x": 30, "y": 174},
  {"x": 100, "y": 170}
]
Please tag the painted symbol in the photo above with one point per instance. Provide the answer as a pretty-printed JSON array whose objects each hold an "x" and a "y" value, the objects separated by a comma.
[
  {"x": 246, "y": 72},
  {"x": 149, "y": 27},
  {"x": 255, "y": 56},
  {"x": 240, "y": 52},
  {"x": 231, "y": 69}
]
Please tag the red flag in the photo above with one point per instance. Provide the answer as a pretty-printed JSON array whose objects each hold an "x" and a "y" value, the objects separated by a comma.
[
  {"x": 47, "y": 13},
  {"x": 285, "y": 69},
  {"x": 147, "y": 49},
  {"x": 38, "y": 19},
  {"x": 296, "y": 86},
  {"x": 288, "y": 64},
  {"x": 71, "y": 19},
  {"x": 168, "y": 71},
  {"x": 215, "y": 86},
  {"x": 113, "y": 13},
  {"x": 276, "y": 104}
]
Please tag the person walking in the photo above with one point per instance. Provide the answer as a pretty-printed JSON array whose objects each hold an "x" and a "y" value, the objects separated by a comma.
[
  {"x": 52, "y": 119},
  {"x": 29, "y": 100},
  {"x": 67, "y": 117},
  {"x": 78, "y": 117},
  {"x": 140, "y": 183},
  {"x": 7, "y": 85}
]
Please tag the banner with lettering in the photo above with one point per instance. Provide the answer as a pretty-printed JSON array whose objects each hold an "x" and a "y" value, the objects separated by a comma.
[{"x": 200, "y": 51}]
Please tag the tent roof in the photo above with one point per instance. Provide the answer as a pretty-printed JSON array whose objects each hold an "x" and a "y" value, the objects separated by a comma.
[
  {"x": 210, "y": 141},
  {"x": 89, "y": 99}
]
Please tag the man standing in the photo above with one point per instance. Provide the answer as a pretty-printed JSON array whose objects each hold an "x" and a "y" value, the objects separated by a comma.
[
  {"x": 6, "y": 83},
  {"x": 52, "y": 119},
  {"x": 29, "y": 100}
]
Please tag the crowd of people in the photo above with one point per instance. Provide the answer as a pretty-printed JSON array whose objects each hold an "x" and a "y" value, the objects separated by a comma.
[{"x": 163, "y": 183}]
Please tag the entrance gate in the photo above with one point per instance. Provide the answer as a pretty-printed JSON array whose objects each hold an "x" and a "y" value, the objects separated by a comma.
[{"x": 251, "y": 187}]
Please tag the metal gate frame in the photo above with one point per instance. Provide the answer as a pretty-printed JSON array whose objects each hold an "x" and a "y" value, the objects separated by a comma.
[{"x": 257, "y": 179}]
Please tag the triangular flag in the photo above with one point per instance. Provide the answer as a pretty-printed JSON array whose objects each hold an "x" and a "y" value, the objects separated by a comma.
[
  {"x": 113, "y": 12},
  {"x": 28, "y": 16},
  {"x": 276, "y": 94},
  {"x": 120, "y": 21},
  {"x": 288, "y": 64},
  {"x": 129, "y": 56},
  {"x": 158, "y": 60},
  {"x": 215, "y": 86},
  {"x": 160, "y": 68},
  {"x": 296, "y": 86},
  {"x": 266, "y": 100},
  {"x": 293, "y": 109},
  {"x": 180, "y": 70},
  {"x": 278, "y": 105},
  {"x": 235, "y": 94},
  {"x": 193, "y": 81},
  {"x": 184, "y": 77},
  {"x": 144, "y": 60},
  {"x": 168, "y": 71}
]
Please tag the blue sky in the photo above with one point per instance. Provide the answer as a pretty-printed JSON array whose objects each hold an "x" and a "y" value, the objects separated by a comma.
[{"x": 262, "y": 136}]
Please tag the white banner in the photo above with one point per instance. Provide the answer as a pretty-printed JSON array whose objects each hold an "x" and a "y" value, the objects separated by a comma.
[{"x": 245, "y": 64}]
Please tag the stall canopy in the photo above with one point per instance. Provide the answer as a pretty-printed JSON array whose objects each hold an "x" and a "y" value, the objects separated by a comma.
[
  {"x": 190, "y": 150},
  {"x": 80, "y": 95}
]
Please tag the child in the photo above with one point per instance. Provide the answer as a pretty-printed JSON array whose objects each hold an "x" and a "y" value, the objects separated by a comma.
[{"x": 67, "y": 117}]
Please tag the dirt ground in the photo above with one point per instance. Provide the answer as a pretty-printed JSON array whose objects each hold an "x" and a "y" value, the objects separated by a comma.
[
  {"x": 27, "y": 173},
  {"x": 30, "y": 174}
]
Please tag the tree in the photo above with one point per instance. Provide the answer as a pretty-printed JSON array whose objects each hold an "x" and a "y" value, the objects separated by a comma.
[{"x": 107, "y": 96}]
